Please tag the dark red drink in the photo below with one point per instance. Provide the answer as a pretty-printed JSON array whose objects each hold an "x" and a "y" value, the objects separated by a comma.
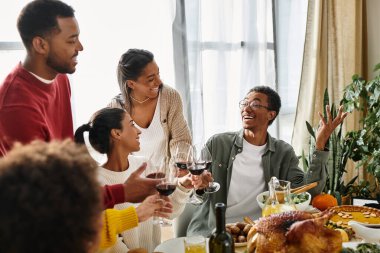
[
  {"x": 183, "y": 165},
  {"x": 165, "y": 189},
  {"x": 198, "y": 168}
]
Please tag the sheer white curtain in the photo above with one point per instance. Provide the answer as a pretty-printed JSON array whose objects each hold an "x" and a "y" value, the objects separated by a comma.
[
  {"x": 230, "y": 50},
  {"x": 290, "y": 16}
]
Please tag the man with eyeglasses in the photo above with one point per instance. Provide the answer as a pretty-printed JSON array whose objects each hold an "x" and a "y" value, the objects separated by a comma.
[{"x": 244, "y": 161}]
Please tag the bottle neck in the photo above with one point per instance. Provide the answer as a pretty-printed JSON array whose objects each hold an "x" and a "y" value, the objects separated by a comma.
[{"x": 220, "y": 214}]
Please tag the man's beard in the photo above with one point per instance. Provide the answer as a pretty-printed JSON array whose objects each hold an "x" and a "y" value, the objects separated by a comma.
[{"x": 57, "y": 66}]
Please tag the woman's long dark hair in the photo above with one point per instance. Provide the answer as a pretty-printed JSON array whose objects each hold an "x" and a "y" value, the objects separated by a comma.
[{"x": 99, "y": 128}]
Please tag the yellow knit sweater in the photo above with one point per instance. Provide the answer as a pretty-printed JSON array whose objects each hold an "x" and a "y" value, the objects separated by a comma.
[{"x": 115, "y": 222}]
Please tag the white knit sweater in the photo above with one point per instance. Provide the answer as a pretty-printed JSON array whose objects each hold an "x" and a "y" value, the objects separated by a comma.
[{"x": 146, "y": 235}]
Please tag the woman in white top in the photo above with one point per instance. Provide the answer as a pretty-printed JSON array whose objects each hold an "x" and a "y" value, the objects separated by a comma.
[
  {"x": 112, "y": 131},
  {"x": 154, "y": 107}
]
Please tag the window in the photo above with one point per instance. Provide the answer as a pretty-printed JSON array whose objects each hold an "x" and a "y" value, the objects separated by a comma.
[{"x": 230, "y": 48}]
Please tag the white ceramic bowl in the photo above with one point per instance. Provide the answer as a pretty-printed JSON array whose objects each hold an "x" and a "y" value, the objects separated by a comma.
[{"x": 301, "y": 206}]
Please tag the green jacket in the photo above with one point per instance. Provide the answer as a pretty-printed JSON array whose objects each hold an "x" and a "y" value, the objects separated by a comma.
[{"x": 279, "y": 160}]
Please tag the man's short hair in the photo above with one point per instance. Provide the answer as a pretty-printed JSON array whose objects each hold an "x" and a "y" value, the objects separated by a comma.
[
  {"x": 50, "y": 198},
  {"x": 39, "y": 18},
  {"x": 274, "y": 100}
]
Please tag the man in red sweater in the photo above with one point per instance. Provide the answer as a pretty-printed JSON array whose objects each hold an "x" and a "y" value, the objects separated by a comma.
[{"x": 35, "y": 98}]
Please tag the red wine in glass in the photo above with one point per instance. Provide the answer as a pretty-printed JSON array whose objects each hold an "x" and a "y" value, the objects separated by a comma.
[
  {"x": 165, "y": 189},
  {"x": 156, "y": 175},
  {"x": 198, "y": 168},
  {"x": 183, "y": 165}
]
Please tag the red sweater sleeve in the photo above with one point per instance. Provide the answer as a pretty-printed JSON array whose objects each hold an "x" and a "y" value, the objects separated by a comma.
[{"x": 112, "y": 195}]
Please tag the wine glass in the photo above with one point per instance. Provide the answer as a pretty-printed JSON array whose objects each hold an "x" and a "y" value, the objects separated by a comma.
[
  {"x": 196, "y": 169},
  {"x": 151, "y": 170},
  {"x": 168, "y": 175},
  {"x": 183, "y": 158},
  {"x": 203, "y": 162}
]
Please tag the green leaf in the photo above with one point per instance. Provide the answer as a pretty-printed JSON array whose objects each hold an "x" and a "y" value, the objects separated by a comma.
[
  {"x": 325, "y": 102},
  {"x": 377, "y": 67},
  {"x": 351, "y": 181},
  {"x": 310, "y": 129},
  {"x": 338, "y": 197}
]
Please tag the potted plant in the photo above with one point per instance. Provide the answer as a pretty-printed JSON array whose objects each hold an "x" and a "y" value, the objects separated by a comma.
[
  {"x": 364, "y": 96},
  {"x": 361, "y": 146},
  {"x": 340, "y": 151}
]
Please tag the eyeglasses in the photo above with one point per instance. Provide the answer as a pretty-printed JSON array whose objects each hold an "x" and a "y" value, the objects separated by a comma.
[{"x": 254, "y": 105}]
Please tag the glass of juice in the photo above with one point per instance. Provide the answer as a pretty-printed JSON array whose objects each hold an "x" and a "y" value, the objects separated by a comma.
[{"x": 195, "y": 244}]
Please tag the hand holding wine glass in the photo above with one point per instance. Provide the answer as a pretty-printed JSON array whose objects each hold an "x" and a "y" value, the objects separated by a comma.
[
  {"x": 196, "y": 169},
  {"x": 154, "y": 205},
  {"x": 168, "y": 175},
  {"x": 183, "y": 158},
  {"x": 203, "y": 162},
  {"x": 137, "y": 188}
]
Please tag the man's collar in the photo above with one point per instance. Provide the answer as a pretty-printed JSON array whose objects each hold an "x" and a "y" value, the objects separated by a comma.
[{"x": 270, "y": 141}]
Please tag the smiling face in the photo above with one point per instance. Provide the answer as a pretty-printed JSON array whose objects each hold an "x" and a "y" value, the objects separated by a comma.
[
  {"x": 128, "y": 136},
  {"x": 64, "y": 45},
  {"x": 147, "y": 84},
  {"x": 256, "y": 115}
]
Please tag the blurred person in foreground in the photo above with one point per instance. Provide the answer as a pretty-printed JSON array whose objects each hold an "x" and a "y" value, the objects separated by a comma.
[
  {"x": 244, "y": 161},
  {"x": 50, "y": 199}
]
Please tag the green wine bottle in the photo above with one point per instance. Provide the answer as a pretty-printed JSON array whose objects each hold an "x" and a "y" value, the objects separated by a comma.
[{"x": 220, "y": 240}]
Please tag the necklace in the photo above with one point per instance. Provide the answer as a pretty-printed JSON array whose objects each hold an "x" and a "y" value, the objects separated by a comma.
[{"x": 139, "y": 101}]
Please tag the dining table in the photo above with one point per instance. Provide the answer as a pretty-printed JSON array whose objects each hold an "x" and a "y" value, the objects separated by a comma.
[
  {"x": 367, "y": 217},
  {"x": 176, "y": 245}
]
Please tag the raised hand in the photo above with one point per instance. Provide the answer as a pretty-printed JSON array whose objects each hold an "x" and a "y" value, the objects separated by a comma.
[
  {"x": 326, "y": 127},
  {"x": 137, "y": 188}
]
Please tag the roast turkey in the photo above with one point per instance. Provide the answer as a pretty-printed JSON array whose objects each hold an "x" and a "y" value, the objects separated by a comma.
[{"x": 294, "y": 232}]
